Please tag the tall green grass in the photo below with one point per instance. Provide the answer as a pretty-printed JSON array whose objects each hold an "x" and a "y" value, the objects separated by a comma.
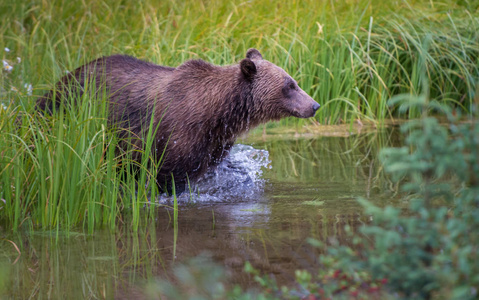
[
  {"x": 64, "y": 170},
  {"x": 350, "y": 56}
]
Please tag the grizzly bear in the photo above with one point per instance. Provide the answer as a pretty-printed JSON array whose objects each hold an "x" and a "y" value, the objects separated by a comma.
[{"x": 198, "y": 109}]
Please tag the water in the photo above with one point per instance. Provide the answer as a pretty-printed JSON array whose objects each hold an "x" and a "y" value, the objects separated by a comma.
[
  {"x": 237, "y": 178},
  {"x": 261, "y": 205}
]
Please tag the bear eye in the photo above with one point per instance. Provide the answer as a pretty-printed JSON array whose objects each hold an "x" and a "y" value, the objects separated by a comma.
[{"x": 292, "y": 86}]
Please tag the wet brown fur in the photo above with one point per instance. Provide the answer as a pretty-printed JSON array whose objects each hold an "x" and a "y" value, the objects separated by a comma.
[{"x": 202, "y": 107}]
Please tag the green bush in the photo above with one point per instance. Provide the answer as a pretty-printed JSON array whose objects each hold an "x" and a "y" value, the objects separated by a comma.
[{"x": 431, "y": 249}]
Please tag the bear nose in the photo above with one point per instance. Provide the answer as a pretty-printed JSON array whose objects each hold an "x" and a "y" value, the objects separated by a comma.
[{"x": 316, "y": 106}]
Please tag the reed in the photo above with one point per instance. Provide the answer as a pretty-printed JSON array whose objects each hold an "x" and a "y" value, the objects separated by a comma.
[{"x": 64, "y": 170}]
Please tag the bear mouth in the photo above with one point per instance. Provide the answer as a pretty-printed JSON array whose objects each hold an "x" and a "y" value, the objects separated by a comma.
[{"x": 297, "y": 114}]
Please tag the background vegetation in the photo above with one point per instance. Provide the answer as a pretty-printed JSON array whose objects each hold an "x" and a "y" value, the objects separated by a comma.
[
  {"x": 61, "y": 172},
  {"x": 351, "y": 56}
]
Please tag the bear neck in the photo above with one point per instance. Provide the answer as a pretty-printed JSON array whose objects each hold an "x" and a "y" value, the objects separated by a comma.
[{"x": 237, "y": 113}]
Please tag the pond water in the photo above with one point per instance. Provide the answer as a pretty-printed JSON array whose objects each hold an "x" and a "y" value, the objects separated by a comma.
[{"x": 260, "y": 206}]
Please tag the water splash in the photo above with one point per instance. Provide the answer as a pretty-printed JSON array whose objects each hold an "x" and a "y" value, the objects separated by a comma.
[{"x": 238, "y": 177}]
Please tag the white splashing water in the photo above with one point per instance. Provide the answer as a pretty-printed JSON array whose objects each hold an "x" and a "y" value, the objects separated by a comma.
[{"x": 238, "y": 177}]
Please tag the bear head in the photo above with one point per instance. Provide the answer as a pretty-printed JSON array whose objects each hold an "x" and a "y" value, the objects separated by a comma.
[{"x": 275, "y": 93}]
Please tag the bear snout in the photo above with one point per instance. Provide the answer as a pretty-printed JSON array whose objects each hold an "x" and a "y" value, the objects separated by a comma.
[
  {"x": 306, "y": 108},
  {"x": 305, "y": 111},
  {"x": 314, "y": 108},
  {"x": 309, "y": 107},
  {"x": 305, "y": 105}
]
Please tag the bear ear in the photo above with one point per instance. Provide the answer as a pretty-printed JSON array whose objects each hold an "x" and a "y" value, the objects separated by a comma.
[
  {"x": 252, "y": 53},
  {"x": 248, "y": 68}
]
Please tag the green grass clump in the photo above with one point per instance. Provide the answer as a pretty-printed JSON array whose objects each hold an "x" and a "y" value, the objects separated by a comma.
[{"x": 63, "y": 170}]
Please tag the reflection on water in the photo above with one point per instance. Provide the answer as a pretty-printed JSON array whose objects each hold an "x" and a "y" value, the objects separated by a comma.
[{"x": 309, "y": 191}]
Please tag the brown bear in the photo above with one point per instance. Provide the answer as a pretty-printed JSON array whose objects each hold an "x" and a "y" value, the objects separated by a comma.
[{"x": 199, "y": 109}]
